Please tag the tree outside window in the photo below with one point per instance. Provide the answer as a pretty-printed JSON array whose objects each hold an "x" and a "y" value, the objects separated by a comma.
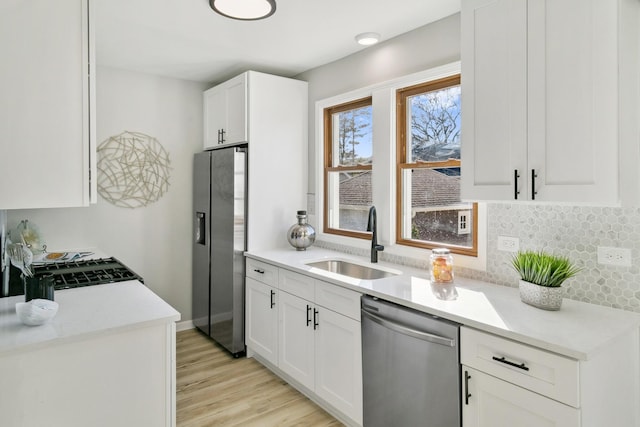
[
  {"x": 348, "y": 160},
  {"x": 430, "y": 212}
]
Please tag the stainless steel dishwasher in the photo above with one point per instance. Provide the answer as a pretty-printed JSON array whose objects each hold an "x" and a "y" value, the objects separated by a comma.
[{"x": 410, "y": 366}]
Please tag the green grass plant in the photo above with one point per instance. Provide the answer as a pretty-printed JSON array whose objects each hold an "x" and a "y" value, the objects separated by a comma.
[{"x": 542, "y": 268}]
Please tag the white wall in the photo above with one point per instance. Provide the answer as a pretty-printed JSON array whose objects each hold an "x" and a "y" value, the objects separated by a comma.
[
  {"x": 154, "y": 241},
  {"x": 429, "y": 46}
]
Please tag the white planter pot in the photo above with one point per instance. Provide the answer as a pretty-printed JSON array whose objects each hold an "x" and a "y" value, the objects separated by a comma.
[{"x": 542, "y": 297}]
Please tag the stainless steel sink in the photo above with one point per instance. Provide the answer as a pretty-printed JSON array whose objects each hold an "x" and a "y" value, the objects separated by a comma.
[{"x": 350, "y": 269}]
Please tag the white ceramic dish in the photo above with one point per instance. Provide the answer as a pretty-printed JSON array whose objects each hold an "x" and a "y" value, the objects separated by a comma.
[{"x": 36, "y": 311}]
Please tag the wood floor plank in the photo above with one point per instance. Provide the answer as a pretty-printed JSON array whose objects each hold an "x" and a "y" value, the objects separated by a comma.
[{"x": 215, "y": 389}]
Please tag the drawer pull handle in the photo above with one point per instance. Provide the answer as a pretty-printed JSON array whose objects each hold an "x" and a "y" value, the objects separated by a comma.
[
  {"x": 508, "y": 362},
  {"x": 308, "y": 314},
  {"x": 272, "y": 301},
  {"x": 258, "y": 271}
]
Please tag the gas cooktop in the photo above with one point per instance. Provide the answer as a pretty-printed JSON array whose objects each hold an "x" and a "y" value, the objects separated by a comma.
[{"x": 73, "y": 274}]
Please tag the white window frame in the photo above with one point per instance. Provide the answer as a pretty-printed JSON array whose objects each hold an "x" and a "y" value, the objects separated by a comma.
[{"x": 384, "y": 168}]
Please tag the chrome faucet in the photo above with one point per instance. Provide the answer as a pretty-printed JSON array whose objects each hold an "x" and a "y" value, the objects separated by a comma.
[{"x": 372, "y": 226}]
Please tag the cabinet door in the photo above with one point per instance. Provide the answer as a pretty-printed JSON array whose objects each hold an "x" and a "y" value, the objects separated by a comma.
[
  {"x": 573, "y": 99},
  {"x": 262, "y": 319},
  {"x": 339, "y": 363},
  {"x": 236, "y": 106},
  {"x": 494, "y": 101},
  {"x": 214, "y": 116},
  {"x": 225, "y": 113},
  {"x": 296, "y": 355},
  {"x": 46, "y": 135},
  {"x": 488, "y": 401}
]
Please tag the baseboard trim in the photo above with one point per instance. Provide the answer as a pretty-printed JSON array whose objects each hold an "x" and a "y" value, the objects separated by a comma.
[{"x": 184, "y": 325}]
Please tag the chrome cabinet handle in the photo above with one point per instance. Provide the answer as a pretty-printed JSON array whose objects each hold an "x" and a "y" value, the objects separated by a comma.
[{"x": 510, "y": 363}]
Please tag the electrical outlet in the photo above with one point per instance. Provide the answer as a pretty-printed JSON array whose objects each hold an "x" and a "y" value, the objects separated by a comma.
[
  {"x": 508, "y": 244},
  {"x": 614, "y": 256}
]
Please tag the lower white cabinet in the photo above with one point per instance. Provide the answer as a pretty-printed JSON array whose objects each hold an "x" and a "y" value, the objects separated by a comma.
[
  {"x": 297, "y": 339},
  {"x": 510, "y": 384},
  {"x": 315, "y": 339},
  {"x": 338, "y": 362},
  {"x": 321, "y": 349},
  {"x": 491, "y": 402},
  {"x": 261, "y": 329}
]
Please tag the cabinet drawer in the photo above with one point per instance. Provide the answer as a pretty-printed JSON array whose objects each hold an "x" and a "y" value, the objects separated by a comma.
[
  {"x": 338, "y": 299},
  {"x": 296, "y": 284},
  {"x": 537, "y": 370},
  {"x": 263, "y": 272}
]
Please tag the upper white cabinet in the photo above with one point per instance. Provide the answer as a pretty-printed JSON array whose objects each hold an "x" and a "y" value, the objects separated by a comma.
[
  {"x": 225, "y": 113},
  {"x": 47, "y": 138},
  {"x": 544, "y": 98}
]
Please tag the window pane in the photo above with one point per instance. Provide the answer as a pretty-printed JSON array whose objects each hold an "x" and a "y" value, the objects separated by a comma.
[
  {"x": 434, "y": 125},
  {"x": 431, "y": 207},
  {"x": 349, "y": 199},
  {"x": 352, "y": 143}
]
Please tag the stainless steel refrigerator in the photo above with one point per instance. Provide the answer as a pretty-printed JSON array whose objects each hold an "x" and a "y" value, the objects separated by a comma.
[{"x": 219, "y": 242}]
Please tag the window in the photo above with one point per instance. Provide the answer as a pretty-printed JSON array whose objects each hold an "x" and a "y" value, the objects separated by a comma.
[
  {"x": 429, "y": 211},
  {"x": 348, "y": 157}
]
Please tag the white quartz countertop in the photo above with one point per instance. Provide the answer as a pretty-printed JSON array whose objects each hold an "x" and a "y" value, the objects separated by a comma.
[
  {"x": 84, "y": 312},
  {"x": 578, "y": 330}
]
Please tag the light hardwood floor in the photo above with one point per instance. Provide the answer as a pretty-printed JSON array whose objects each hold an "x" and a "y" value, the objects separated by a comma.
[{"x": 214, "y": 389}]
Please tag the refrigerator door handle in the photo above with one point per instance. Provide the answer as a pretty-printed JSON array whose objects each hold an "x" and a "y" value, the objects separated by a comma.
[{"x": 200, "y": 228}]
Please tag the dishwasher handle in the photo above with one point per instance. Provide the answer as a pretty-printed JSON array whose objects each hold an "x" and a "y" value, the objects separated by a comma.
[{"x": 424, "y": 336}]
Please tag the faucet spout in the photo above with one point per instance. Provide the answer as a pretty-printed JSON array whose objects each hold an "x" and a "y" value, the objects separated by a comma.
[{"x": 372, "y": 226}]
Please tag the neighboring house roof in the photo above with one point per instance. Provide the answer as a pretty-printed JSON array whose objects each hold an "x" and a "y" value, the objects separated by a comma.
[
  {"x": 356, "y": 190},
  {"x": 430, "y": 188}
]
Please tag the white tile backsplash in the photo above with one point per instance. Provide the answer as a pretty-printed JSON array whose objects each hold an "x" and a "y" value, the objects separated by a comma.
[{"x": 571, "y": 231}]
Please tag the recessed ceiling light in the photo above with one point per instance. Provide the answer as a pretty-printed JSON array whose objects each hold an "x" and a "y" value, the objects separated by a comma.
[
  {"x": 244, "y": 10},
  {"x": 367, "y": 39}
]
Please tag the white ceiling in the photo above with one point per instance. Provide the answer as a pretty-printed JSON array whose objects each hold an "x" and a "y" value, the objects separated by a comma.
[{"x": 185, "y": 39}]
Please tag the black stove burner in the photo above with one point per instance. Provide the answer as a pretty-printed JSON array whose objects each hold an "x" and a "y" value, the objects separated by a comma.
[{"x": 74, "y": 274}]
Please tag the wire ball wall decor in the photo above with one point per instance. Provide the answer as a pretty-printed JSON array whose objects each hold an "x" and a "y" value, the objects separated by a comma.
[{"x": 133, "y": 170}]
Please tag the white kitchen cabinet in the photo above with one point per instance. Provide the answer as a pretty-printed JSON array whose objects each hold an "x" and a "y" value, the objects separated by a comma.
[
  {"x": 297, "y": 339},
  {"x": 261, "y": 329},
  {"x": 497, "y": 403},
  {"x": 225, "y": 113},
  {"x": 47, "y": 107},
  {"x": 319, "y": 344},
  {"x": 544, "y": 85},
  {"x": 507, "y": 383},
  {"x": 338, "y": 368}
]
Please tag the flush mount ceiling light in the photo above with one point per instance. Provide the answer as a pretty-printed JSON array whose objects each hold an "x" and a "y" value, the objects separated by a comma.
[
  {"x": 367, "y": 39},
  {"x": 244, "y": 10}
]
